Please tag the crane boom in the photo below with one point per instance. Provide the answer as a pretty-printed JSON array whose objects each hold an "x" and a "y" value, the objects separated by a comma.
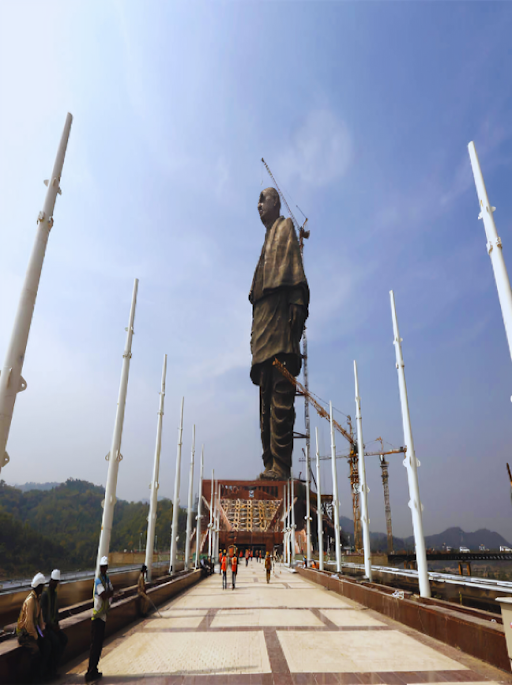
[{"x": 321, "y": 411}]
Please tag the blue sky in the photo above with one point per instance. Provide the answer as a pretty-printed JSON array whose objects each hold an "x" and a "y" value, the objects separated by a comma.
[{"x": 364, "y": 111}]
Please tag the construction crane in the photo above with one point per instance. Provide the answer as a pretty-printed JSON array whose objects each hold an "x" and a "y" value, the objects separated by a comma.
[
  {"x": 353, "y": 460},
  {"x": 321, "y": 411}
]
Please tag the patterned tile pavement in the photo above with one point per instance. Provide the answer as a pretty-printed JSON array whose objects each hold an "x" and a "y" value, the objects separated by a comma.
[{"x": 289, "y": 632}]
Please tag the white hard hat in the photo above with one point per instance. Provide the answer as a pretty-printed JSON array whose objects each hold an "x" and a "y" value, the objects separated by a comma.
[
  {"x": 37, "y": 580},
  {"x": 104, "y": 561},
  {"x": 55, "y": 574}
]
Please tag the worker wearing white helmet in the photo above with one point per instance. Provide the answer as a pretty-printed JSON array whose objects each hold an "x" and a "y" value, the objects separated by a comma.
[
  {"x": 50, "y": 609},
  {"x": 30, "y": 630},
  {"x": 102, "y": 596}
]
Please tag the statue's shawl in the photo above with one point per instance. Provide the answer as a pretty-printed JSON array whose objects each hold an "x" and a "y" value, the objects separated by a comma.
[{"x": 282, "y": 262}]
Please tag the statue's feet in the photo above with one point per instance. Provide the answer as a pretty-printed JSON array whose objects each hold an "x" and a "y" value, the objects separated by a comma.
[{"x": 272, "y": 474}]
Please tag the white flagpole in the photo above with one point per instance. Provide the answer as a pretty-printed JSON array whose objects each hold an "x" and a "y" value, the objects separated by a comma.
[
  {"x": 199, "y": 510},
  {"x": 176, "y": 502},
  {"x": 363, "y": 488},
  {"x": 336, "y": 501},
  {"x": 319, "y": 508},
  {"x": 494, "y": 246},
  {"x": 210, "y": 526},
  {"x": 153, "y": 502},
  {"x": 411, "y": 463},
  {"x": 190, "y": 496},
  {"x": 308, "y": 508},
  {"x": 11, "y": 380},
  {"x": 114, "y": 456}
]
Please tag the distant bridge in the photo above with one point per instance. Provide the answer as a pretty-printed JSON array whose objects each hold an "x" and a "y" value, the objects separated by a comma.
[{"x": 452, "y": 556}]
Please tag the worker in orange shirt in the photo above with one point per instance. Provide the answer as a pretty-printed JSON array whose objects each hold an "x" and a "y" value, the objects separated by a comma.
[
  {"x": 234, "y": 569},
  {"x": 268, "y": 566},
  {"x": 224, "y": 570}
]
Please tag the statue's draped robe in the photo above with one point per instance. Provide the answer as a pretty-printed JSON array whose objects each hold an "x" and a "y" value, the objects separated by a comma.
[{"x": 278, "y": 283}]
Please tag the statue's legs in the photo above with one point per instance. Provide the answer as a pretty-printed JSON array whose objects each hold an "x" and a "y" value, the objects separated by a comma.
[
  {"x": 282, "y": 419},
  {"x": 265, "y": 402},
  {"x": 277, "y": 417}
]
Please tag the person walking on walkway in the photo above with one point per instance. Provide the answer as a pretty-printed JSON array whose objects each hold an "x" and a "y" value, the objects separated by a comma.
[
  {"x": 234, "y": 568},
  {"x": 246, "y": 558},
  {"x": 50, "y": 609},
  {"x": 29, "y": 630},
  {"x": 102, "y": 596},
  {"x": 268, "y": 566},
  {"x": 142, "y": 600},
  {"x": 224, "y": 571}
]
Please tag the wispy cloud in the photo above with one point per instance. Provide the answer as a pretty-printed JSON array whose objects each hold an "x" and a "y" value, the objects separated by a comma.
[{"x": 320, "y": 150}]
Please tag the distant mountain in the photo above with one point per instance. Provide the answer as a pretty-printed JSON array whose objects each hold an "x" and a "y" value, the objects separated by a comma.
[
  {"x": 451, "y": 537},
  {"x": 65, "y": 520},
  {"x": 456, "y": 537},
  {"x": 36, "y": 486}
]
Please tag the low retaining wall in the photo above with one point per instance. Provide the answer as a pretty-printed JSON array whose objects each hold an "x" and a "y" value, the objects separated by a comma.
[
  {"x": 478, "y": 637},
  {"x": 74, "y": 591},
  {"x": 78, "y": 627}
]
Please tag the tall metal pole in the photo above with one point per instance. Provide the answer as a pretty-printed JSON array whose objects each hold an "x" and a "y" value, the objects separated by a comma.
[
  {"x": 411, "y": 463},
  {"x": 176, "y": 502},
  {"x": 293, "y": 520},
  {"x": 319, "y": 508},
  {"x": 199, "y": 509},
  {"x": 153, "y": 500},
  {"x": 114, "y": 456},
  {"x": 494, "y": 246},
  {"x": 216, "y": 521},
  {"x": 214, "y": 529},
  {"x": 190, "y": 495},
  {"x": 210, "y": 526},
  {"x": 363, "y": 488},
  {"x": 308, "y": 510},
  {"x": 288, "y": 526},
  {"x": 284, "y": 522},
  {"x": 336, "y": 502},
  {"x": 11, "y": 380}
]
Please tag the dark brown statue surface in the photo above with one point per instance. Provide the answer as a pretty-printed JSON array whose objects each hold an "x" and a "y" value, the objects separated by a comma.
[{"x": 280, "y": 299}]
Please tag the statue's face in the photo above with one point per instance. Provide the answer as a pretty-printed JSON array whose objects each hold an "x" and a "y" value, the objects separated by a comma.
[{"x": 267, "y": 206}]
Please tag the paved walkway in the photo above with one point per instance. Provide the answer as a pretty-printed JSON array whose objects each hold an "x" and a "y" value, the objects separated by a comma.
[{"x": 289, "y": 632}]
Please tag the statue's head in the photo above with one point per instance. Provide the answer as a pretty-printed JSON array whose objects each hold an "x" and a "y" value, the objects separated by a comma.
[{"x": 269, "y": 206}]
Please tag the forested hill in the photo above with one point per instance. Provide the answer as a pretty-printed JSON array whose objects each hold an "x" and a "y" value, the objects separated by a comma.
[{"x": 61, "y": 527}]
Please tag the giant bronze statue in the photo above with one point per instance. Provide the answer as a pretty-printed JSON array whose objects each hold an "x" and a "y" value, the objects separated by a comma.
[{"x": 280, "y": 299}]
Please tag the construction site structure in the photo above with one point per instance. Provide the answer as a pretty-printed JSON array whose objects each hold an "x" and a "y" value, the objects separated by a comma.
[
  {"x": 387, "y": 506},
  {"x": 251, "y": 514}
]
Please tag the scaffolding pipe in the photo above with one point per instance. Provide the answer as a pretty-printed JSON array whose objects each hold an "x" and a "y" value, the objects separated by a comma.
[
  {"x": 114, "y": 457},
  {"x": 190, "y": 496},
  {"x": 336, "y": 502},
  {"x": 11, "y": 380},
  {"x": 363, "y": 488},
  {"x": 199, "y": 509},
  {"x": 411, "y": 463},
  {"x": 319, "y": 508},
  {"x": 494, "y": 246},
  {"x": 153, "y": 500},
  {"x": 176, "y": 502}
]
